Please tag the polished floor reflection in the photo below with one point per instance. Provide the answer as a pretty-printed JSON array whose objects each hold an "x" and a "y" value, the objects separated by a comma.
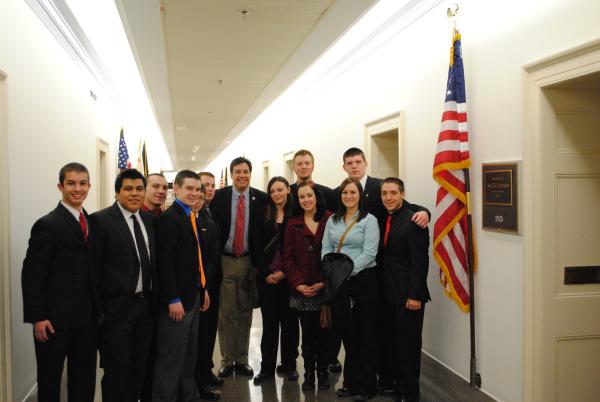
[{"x": 239, "y": 388}]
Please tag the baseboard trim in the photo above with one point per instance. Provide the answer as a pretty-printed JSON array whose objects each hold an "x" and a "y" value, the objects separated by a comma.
[
  {"x": 31, "y": 392},
  {"x": 456, "y": 385}
]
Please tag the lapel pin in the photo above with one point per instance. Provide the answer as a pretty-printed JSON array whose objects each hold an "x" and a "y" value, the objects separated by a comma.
[{"x": 253, "y": 198}]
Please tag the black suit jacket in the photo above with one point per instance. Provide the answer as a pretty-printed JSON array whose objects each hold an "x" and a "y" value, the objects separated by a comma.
[
  {"x": 58, "y": 278},
  {"x": 211, "y": 254},
  {"x": 177, "y": 254},
  {"x": 220, "y": 206},
  {"x": 405, "y": 260},
  {"x": 326, "y": 192},
  {"x": 117, "y": 262}
]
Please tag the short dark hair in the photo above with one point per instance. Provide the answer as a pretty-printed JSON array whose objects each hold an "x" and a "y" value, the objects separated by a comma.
[
  {"x": 362, "y": 205},
  {"x": 185, "y": 174},
  {"x": 71, "y": 167},
  {"x": 131, "y": 174},
  {"x": 209, "y": 174},
  {"x": 321, "y": 205},
  {"x": 238, "y": 161},
  {"x": 154, "y": 174},
  {"x": 303, "y": 152},
  {"x": 396, "y": 181},
  {"x": 353, "y": 152},
  {"x": 271, "y": 210}
]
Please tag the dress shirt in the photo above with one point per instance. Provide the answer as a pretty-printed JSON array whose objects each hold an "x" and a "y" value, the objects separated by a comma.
[
  {"x": 235, "y": 195},
  {"x": 363, "y": 182},
  {"x": 127, "y": 214},
  {"x": 155, "y": 212},
  {"x": 361, "y": 242},
  {"x": 75, "y": 214}
]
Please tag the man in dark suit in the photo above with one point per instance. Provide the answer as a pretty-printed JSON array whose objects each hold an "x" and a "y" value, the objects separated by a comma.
[
  {"x": 60, "y": 292},
  {"x": 404, "y": 259},
  {"x": 304, "y": 165},
  {"x": 185, "y": 266},
  {"x": 238, "y": 210},
  {"x": 124, "y": 254}
]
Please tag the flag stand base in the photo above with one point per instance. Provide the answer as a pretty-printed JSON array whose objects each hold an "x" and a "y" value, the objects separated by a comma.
[{"x": 475, "y": 379}]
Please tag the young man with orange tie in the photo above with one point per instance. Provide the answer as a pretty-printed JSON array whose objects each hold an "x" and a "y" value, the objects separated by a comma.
[
  {"x": 60, "y": 293},
  {"x": 183, "y": 270}
]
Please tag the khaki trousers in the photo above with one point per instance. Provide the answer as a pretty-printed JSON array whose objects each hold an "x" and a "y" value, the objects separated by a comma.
[{"x": 235, "y": 309}]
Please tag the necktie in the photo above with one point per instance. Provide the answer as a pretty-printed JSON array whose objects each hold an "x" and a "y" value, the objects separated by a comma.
[
  {"x": 240, "y": 223},
  {"x": 83, "y": 225},
  {"x": 388, "y": 223},
  {"x": 200, "y": 264},
  {"x": 143, "y": 252}
]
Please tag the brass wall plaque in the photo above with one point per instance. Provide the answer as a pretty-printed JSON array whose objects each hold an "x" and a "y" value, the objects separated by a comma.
[{"x": 501, "y": 196}]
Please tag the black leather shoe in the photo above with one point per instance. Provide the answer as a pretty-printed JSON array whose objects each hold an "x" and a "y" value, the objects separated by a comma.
[
  {"x": 343, "y": 393},
  {"x": 309, "y": 381},
  {"x": 225, "y": 371},
  {"x": 292, "y": 375},
  {"x": 262, "y": 377},
  {"x": 213, "y": 380},
  {"x": 209, "y": 395},
  {"x": 244, "y": 369},
  {"x": 335, "y": 367},
  {"x": 281, "y": 369},
  {"x": 323, "y": 378}
]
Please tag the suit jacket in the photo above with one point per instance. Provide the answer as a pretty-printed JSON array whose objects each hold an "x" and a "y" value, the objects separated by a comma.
[
  {"x": 117, "y": 262},
  {"x": 211, "y": 254},
  {"x": 177, "y": 255},
  {"x": 220, "y": 206},
  {"x": 405, "y": 260},
  {"x": 268, "y": 231},
  {"x": 328, "y": 195},
  {"x": 58, "y": 276},
  {"x": 372, "y": 193}
]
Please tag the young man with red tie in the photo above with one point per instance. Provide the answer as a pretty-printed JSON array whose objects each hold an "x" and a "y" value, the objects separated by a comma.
[
  {"x": 404, "y": 260},
  {"x": 60, "y": 292},
  {"x": 184, "y": 268}
]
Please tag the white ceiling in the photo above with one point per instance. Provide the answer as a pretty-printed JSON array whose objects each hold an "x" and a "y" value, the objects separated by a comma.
[{"x": 211, "y": 66}]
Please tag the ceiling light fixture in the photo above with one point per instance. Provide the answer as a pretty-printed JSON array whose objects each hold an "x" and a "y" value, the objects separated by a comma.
[{"x": 244, "y": 13}]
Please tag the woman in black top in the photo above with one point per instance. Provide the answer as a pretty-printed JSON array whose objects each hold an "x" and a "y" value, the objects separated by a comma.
[{"x": 273, "y": 293}]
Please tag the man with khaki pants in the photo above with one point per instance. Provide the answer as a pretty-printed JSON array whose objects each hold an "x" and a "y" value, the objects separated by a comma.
[{"x": 237, "y": 209}]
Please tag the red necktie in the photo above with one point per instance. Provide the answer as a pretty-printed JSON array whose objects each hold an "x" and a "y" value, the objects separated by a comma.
[
  {"x": 83, "y": 225},
  {"x": 388, "y": 223},
  {"x": 240, "y": 223}
]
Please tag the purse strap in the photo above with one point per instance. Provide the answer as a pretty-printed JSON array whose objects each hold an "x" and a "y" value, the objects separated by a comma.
[
  {"x": 339, "y": 247},
  {"x": 273, "y": 240}
]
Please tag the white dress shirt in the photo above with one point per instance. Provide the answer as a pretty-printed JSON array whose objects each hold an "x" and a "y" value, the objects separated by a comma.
[{"x": 127, "y": 214}]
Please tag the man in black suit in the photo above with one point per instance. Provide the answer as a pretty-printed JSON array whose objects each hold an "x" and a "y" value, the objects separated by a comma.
[
  {"x": 304, "y": 165},
  {"x": 185, "y": 267},
  {"x": 124, "y": 254},
  {"x": 60, "y": 292},
  {"x": 238, "y": 210},
  {"x": 404, "y": 259}
]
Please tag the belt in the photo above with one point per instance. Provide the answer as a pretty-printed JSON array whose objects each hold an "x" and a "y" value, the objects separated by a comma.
[{"x": 236, "y": 256}]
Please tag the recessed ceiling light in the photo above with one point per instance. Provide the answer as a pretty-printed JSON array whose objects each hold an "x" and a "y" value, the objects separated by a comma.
[
  {"x": 193, "y": 158},
  {"x": 181, "y": 128}
]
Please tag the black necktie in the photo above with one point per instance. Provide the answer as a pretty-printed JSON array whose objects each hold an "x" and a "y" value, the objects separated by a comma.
[{"x": 143, "y": 252}]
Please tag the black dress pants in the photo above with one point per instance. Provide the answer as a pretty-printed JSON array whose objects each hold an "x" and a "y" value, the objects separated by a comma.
[
  {"x": 207, "y": 336},
  {"x": 354, "y": 320},
  {"x": 315, "y": 341},
  {"x": 386, "y": 362},
  {"x": 80, "y": 347},
  {"x": 274, "y": 301},
  {"x": 126, "y": 348},
  {"x": 407, "y": 329}
]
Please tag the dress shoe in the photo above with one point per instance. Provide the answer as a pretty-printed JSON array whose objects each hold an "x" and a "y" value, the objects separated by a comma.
[
  {"x": 244, "y": 369},
  {"x": 209, "y": 395},
  {"x": 281, "y": 369},
  {"x": 309, "y": 381},
  {"x": 225, "y": 371},
  {"x": 343, "y": 393},
  {"x": 335, "y": 367},
  {"x": 387, "y": 391},
  {"x": 262, "y": 377},
  {"x": 213, "y": 380},
  {"x": 292, "y": 375},
  {"x": 323, "y": 378}
]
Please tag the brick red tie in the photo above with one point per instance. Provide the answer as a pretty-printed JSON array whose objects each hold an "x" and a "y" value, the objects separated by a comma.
[
  {"x": 83, "y": 225},
  {"x": 240, "y": 223},
  {"x": 388, "y": 223}
]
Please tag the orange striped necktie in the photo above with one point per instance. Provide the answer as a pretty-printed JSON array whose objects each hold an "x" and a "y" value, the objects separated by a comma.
[{"x": 201, "y": 266}]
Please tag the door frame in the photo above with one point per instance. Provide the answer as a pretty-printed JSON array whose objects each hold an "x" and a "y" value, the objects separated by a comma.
[
  {"x": 381, "y": 125},
  {"x": 575, "y": 62},
  {"x": 5, "y": 310}
]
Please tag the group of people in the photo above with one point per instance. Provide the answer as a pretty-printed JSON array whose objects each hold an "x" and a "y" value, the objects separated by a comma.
[{"x": 152, "y": 288}]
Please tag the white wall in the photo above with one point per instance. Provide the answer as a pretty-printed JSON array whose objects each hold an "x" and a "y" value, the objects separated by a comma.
[
  {"x": 52, "y": 120},
  {"x": 409, "y": 73}
]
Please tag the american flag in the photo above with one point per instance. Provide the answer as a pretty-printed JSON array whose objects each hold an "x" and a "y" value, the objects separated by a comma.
[
  {"x": 124, "y": 162},
  {"x": 221, "y": 184},
  {"x": 451, "y": 232}
]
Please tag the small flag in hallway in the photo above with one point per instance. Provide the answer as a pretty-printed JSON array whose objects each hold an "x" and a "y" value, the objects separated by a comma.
[
  {"x": 145, "y": 160},
  {"x": 124, "y": 162},
  {"x": 221, "y": 185},
  {"x": 452, "y": 232}
]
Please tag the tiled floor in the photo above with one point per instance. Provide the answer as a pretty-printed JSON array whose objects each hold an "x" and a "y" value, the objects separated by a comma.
[{"x": 241, "y": 389}]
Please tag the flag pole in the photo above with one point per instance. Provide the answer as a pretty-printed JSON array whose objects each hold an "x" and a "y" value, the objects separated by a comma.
[{"x": 474, "y": 377}]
